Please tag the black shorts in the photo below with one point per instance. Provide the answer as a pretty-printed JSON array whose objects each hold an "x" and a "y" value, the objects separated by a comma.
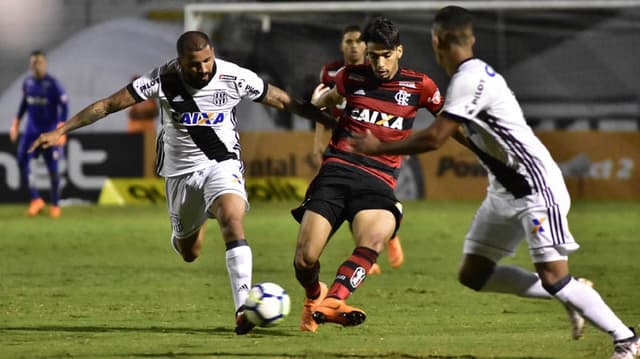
[{"x": 340, "y": 191}]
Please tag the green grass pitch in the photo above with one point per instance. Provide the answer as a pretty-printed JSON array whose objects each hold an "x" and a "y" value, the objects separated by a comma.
[{"x": 105, "y": 283}]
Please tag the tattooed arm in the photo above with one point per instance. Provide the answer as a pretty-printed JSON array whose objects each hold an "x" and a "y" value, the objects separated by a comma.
[
  {"x": 90, "y": 114},
  {"x": 281, "y": 100}
]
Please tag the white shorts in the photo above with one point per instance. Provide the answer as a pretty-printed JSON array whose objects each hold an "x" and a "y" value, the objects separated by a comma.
[
  {"x": 501, "y": 223},
  {"x": 190, "y": 196}
]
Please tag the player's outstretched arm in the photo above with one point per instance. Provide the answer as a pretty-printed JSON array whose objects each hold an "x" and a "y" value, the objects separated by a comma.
[
  {"x": 428, "y": 139},
  {"x": 90, "y": 114},
  {"x": 278, "y": 98}
]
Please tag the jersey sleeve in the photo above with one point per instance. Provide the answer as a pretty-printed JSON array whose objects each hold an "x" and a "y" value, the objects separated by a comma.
[
  {"x": 250, "y": 85},
  {"x": 431, "y": 98},
  {"x": 63, "y": 102},
  {"x": 340, "y": 78},
  {"x": 23, "y": 102},
  {"x": 146, "y": 86},
  {"x": 460, "y": 104}
]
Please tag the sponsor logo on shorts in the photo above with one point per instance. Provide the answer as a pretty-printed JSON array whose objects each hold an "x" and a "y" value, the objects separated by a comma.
[{"x": 537, "y": 225}]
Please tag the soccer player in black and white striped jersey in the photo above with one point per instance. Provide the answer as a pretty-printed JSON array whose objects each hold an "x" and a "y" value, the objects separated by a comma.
[
  {"x": 198, "y": 147},
  {"x": 527, "y": 196}
]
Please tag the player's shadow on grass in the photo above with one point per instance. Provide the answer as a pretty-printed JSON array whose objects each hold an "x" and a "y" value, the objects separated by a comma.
[{"x": 153, "y": 329}]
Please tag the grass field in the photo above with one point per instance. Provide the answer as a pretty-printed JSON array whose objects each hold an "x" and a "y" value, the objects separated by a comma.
[{"x": 105, "y": 283}]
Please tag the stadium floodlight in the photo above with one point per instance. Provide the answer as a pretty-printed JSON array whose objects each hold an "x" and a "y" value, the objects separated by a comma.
[{"x": 193, "y": 13}]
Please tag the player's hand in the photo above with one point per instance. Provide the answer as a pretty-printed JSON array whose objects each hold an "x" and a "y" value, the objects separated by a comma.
[
  {"x": 318, "y": 92},
  {"x": 46, "y": 140},
  {"x": 15, "y": 129},
  {"x": 364, "y": 142},
  {"x": 63, "y": 139}
]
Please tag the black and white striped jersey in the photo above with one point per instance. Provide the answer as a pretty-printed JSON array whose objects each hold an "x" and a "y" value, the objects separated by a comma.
[
  {"x": 517, "y": 162},
  {"x": 198, "y": 125}
]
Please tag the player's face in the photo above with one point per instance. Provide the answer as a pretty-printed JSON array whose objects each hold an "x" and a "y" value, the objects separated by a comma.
[
  {"x": 384, "y": 62},
  {"x": 197, "y": 66},
  {"x": 38, "y": 65},
  {"x": 352, "y": 47}
]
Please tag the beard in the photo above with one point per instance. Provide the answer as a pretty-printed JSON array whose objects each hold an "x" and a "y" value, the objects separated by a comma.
[{"x": 198, "y": 82}]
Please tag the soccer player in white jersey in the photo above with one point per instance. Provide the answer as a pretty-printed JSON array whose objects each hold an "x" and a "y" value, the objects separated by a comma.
[
  {"x": 198, "y": 148},
  {"x": 526, "y": 198}
]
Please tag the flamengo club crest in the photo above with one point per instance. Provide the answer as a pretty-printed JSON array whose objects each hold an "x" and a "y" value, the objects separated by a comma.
[
  {"x": 402, "y": 97},
  {"x": 220, "y": 98}
]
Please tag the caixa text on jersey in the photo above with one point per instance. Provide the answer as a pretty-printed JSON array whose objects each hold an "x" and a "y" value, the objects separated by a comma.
[{"x": 199, "y": 118}]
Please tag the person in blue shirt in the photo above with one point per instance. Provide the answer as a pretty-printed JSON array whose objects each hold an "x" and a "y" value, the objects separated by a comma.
[{"x": 45, "y": 101}]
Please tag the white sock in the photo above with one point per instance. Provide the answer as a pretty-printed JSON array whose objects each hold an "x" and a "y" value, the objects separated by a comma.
[
  {"x": 515, "y": 280},
  {"x": 239, "y": 266},
  {"x": 591, "y": 306}
]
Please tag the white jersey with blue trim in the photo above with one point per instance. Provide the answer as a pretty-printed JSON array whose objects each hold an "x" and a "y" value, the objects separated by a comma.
[
  {"x": 198, "y": 125},
  {"x": 517, "y": 162}
]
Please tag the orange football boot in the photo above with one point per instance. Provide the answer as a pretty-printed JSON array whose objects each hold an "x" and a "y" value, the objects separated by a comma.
[
  {"x": 333, "y": 310},
  {"x": 35, "y": 207},
  {"x": 307, "y": 323},
  {"x": 55, "y": 212}
]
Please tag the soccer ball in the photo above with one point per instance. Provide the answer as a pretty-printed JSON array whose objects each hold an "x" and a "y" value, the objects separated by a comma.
[{"x": 267, "y": 304}]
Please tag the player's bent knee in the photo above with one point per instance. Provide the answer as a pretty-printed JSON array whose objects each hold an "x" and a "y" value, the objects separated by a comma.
[
  {"x": 303, "y": 262},
  {"x": 473, "y": 280}
]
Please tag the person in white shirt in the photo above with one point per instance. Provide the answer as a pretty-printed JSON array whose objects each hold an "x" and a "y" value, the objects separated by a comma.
[
  {"x": 526, "y": 196},
  {"x": 198, "y": 150}
]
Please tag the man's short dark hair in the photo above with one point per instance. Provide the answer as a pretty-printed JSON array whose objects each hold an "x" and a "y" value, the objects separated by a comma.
[
  {"x": 38, "y": 53},
  {"x": 381, "y": 30},
  {"x": 192, "y": 41},
  {"x": 454, "y": 24},
  {"x": 351, "y": 28}
]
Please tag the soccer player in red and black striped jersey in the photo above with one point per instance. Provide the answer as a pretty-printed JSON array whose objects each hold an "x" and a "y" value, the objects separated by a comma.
[
  {"x": 383, "y": 98},
  {"x": 353, "y": 53}
]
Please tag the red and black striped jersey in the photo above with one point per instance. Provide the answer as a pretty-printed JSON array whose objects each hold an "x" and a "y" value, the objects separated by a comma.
[
  {"x": 387, "y": 108},
  {"x": 329, "y": 71}
]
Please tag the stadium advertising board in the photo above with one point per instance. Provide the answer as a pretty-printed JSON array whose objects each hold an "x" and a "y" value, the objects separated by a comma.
[
  {"x": 88, "y": 160},
  {"x": 596, "y": 165}
]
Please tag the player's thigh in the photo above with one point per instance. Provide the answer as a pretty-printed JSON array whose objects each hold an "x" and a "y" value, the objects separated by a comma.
[
  {"x": 224, "y": 178},
  {"x": 547, "y": 230},
  {"x": 229, "y": 210},
  {"x": 313, "y": 236},
  {"x": 494, "y": 233},
  {"x": 186, "y": 204},
  {"x": 51, "y": 156},
  {"x": 373, "y": 227},
  {"x": 23, "y": 154}
]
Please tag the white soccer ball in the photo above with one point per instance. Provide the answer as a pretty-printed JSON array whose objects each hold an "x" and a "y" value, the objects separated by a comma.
[{"x": 267, "y": 304}]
